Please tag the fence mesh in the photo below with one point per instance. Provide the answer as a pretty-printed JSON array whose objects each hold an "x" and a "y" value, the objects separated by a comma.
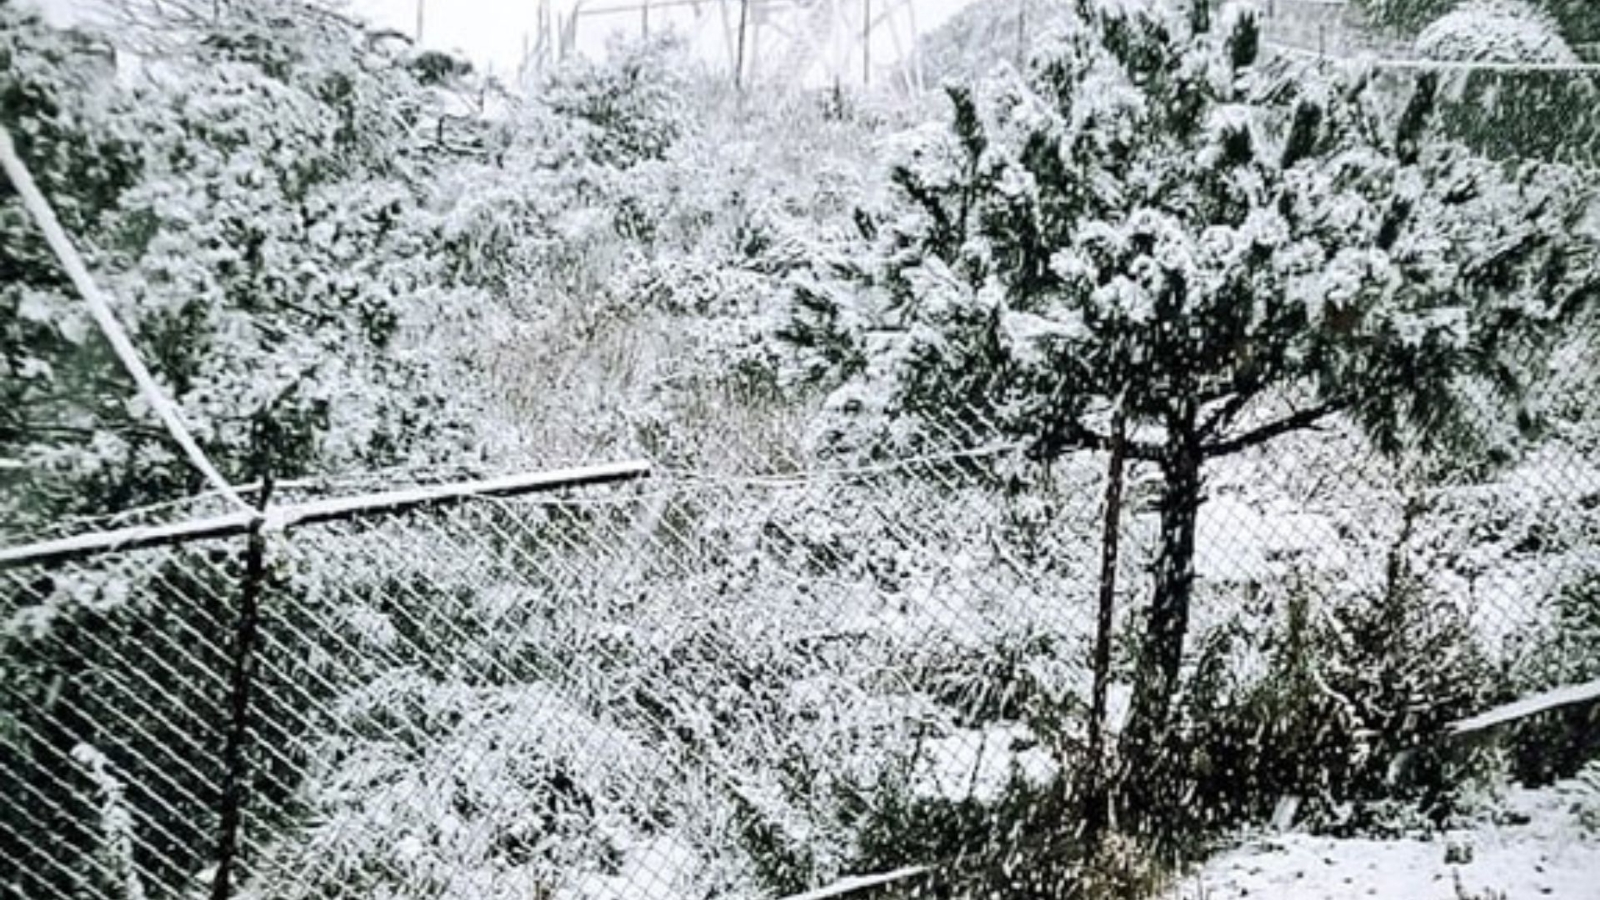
[{"x": 694, "y": 685}]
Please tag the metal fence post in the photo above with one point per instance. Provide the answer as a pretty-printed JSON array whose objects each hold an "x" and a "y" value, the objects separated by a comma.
[{"x": 236, "y": 767}]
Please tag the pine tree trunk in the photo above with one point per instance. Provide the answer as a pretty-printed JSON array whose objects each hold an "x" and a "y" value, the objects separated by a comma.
[
  {"x": 1098, "y": 794},
  {"x": 1156, "y": 681}
]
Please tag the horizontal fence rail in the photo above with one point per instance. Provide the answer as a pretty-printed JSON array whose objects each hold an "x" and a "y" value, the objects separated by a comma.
[{"x": 281, "y": 517}]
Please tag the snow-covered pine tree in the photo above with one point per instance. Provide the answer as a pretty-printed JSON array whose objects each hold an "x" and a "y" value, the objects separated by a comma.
[{"x": 1226, "y": 247}]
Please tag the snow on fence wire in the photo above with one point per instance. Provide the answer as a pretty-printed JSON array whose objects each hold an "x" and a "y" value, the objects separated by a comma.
[
  {"x": 516, "y": 697},
  {"x": 699, "y": 684}
]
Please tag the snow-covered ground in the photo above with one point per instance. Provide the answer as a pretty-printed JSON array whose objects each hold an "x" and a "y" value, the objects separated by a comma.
[{"x": 1535, "y": 848}]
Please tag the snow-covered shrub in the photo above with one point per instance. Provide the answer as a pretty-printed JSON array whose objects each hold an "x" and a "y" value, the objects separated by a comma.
[
  {"x": 250, "y": 206},
  {"x": 1336, "y": 698},
  {"x": 766, "y": 682},
  {"x": 1584, "y": 792},
  {"x": 1283, "y": 734},
  {"x": 259, "y": 249},
  {"x": 115, "y": 853},
  {"x": 1577, "y": 21},
  {"x": 1550, "y": 653},
  {"x": 1512, "y": 113},
  {"x": 630, "y": 107},
  {"x": 1495, "y": 31},
  {"x": 58, "y": 102}
]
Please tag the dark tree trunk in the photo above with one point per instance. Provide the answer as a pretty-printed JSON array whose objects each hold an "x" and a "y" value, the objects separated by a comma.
[
  {"x": 1097, "y": 801},
  {"x": 1156, "y": 681}
]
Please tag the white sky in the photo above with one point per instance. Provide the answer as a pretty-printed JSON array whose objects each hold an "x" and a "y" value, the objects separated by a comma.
[{"x": 492, "y": 32}]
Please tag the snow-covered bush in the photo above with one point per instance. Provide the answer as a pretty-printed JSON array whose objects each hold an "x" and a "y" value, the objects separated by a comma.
[
  {"x": 1495, "y": 31},
  {"x": 1577, "y": 21},
  {"x": 1585, "y": 795},
  {"x": 250, "y": 206},
  {"x": 630, "y": 108},
  {"x": 124, "y": 656},
  {"x": 1344, "y": 711},
  {"x": 1512, "y": 113},
  {"x": 778, "y": 684},
  {"x": 116, "y": 863},
  {"x": 260, "y": 250},
  {"x": 58, "y": 102},
  {"x": 1548, "y": 654}
]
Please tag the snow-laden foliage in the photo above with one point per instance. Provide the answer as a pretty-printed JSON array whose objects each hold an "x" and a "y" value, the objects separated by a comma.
[
  {"x": 747, "y": 687},
  {"x": 251, "y": 208},
  {"x": 1267, "y": 228},
  {"x": 1555, "y": 652},
  {"x": 255, "y": 221},
  {"x": 1577, "y": 21},
  {"x": 631, "y": 107},
  {"x": 1157, "y": 220},
  {"x": 54, "y": 98},
  {"x": 116, "y": 827},
  {"x": 1584, "y": 793},
  {"x": 772, "y": 687},
  {"x": 974, "y": 41},
  {"x": 1339, "y": 676},
  {"x": 118, "y": 657},
  {"x": 1495, "y": 31},
  {"x": 1510, "y": 112}
]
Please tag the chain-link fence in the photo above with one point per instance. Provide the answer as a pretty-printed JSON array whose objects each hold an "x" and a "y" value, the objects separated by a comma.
[{"x": 697, "y": 684}]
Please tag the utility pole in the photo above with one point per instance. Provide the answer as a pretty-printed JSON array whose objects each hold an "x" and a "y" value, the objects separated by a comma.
[
  {"x": 1022, "y": 34},
  {"x": 915, "y": 59},
  {"x": 744, "y": 21},
  {"x": 644, "y": 19},
  {"x": 419, "y": 22},
  {"x": 866, "y": 43}
]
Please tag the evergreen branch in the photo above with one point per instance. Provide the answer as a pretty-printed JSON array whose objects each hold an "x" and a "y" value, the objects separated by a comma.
[
  {"x": 1577, "y": 300},
  {"x": 1224, "y": 414},
  {"x": 1302, "y": 419}
]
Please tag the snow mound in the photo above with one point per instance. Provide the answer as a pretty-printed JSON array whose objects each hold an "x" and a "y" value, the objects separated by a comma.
[{"x": 1537, "y": 848}]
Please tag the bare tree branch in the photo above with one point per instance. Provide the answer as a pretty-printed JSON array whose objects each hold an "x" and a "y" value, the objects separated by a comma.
[{"x": 1303, "y": 419}]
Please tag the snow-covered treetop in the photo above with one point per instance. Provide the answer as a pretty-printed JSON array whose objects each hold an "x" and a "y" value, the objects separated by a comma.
[
  {"x": 1501, "y": 31},
  {"x": 1157, "y": 216}
]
